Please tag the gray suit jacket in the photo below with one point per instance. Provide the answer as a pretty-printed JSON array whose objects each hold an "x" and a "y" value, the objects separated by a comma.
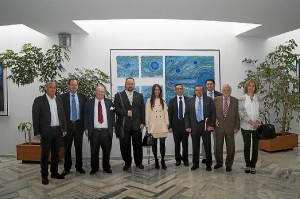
[
  {"x": 232, "y": 121},
  {"x": 190, "y": 117}
]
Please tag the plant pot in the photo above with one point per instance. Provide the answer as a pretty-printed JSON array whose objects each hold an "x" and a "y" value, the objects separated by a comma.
[
  {"x": 32, "y": 152},
  {"x": 280, "y": 142}
]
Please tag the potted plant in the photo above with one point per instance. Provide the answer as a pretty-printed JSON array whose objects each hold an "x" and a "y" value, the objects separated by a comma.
[
  {"x": 25, "y": 66},
  {"x": 279, "y": 88},
  {"x": 30, "y": 151}
]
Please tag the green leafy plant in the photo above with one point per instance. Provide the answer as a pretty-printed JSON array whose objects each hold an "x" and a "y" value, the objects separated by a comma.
[
  {"x": 31, "y": 63},
  {"x": 88, "y": 80},
  {"x": 26, "y": 127},
  {"x": 278, "y": 84}
]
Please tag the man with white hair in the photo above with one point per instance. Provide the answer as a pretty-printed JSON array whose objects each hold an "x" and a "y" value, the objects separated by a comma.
[{"x": 227, "y": 124}]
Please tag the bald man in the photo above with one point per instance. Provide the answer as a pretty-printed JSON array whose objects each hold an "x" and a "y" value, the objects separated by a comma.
[{"x": 49, "y": 124}]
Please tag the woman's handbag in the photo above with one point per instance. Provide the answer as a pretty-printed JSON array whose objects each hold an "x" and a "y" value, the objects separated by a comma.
[
  {"x": 148, "y": 139},
  {"x": 266, "y": 131}
]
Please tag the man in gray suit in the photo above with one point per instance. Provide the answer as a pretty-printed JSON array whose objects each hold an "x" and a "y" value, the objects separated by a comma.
[
  {"x": 227, "y": 124},
  {"x": 199, "y": 121},
  {"x": 99, "y": 120},
  {"x": 49, "y": 124}
]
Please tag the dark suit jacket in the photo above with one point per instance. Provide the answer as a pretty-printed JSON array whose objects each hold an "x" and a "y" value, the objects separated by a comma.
[
  {"x": 66, "y": 102},
  {"x": 217, "y": 93},
  {"x": 41, "y": 115},
  {"x": 190, "y": 118},
  {"x": 173, "y": 110},
  {"x": 137, "y": 108},
  {"x": 89, "y": 115},
  {"x": 232, "y": 121}
]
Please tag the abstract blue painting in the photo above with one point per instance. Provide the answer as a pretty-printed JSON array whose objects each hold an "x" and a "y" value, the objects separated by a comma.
[
  {"x": 127, "y": 66},
  {"x": 152, "y": 66},
  {"x": 147, "y": 91},
  {"x": 189, "y": 71}
]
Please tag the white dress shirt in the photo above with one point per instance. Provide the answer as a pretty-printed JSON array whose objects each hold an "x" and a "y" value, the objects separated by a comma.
[
  {"x": 96, "y": 122},
  {"x": 53, "y": 111}
]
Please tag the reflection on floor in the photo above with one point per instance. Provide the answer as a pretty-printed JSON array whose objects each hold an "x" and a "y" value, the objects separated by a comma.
[{"x": 278, "y": 176}]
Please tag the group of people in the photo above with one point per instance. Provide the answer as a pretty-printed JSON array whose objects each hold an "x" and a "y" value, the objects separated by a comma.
[{"x": 69, "y": 116}]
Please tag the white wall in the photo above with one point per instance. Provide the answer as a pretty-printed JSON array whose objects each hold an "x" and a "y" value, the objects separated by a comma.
[{"x": 93, "y": 51}]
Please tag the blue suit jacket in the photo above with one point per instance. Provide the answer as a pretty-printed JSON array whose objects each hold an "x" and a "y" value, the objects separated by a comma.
[{"x": 89, "y": 116}]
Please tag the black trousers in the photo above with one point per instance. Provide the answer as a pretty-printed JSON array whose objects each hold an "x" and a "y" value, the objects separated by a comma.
[
  {"x": 125, "y": 147},
  {"x": 50, "y": 143},
  {"x": 100, "y": 138},
  {"x": 197, "y": 133},
  {"x": 162, "y": 145},
  {"x": 181, "y": 137},
  {"x": 74, "y": 134}
]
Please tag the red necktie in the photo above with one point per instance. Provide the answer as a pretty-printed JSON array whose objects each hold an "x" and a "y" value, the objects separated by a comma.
[{"x": 100, "y": 115}]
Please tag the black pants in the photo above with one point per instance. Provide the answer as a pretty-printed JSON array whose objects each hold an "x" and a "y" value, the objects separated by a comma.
[
  {"x": 100, "y": 138},
  {"x": 206, "y": 137},
  {"x": 181, "y": 137},
  {"x": 50, "y": 143},
  {"x": 125, "y": 147},
  {"x": 73, "y": 134},
  {"x": 162, "y": 144}
]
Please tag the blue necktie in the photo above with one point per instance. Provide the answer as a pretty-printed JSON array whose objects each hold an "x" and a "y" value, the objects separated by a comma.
[
  {"x": 74, "y": 110},
  {"x": 180, "y": 108},
  {"x": 199, "y": 110}
]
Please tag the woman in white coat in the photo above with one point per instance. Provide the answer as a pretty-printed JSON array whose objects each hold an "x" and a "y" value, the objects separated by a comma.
[{"x": 157, "y": 123}]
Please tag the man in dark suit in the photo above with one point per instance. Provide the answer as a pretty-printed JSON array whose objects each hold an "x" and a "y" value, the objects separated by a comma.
[
  {"x": 49, "y": 124},
  {"x": 198, "y": 110},
  {"x": 176, "y": 111},
  {"x": 210, "y": 92},
  {"x": 99, "y": 120},
  {"x": 134, "y": 114},
  {"x": 74, "y": 110},
  {"x": 227, "y": 124}
]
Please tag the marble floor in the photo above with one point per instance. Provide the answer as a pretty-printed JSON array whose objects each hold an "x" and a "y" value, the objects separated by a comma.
[{"x": 278, "y": 176}]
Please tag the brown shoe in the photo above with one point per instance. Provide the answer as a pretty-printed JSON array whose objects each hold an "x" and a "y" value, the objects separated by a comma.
[{"x": 247, "y": 170}]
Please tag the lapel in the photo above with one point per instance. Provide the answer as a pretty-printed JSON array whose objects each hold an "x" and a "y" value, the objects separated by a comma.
[
  {"x": 46, "y": 105},
  {"x": 107, "y": 107},
  {"x": 125, "y": 99},
  {"x": 175, "y": 104}
]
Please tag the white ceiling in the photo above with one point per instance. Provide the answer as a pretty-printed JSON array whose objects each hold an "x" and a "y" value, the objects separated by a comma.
[{"x": 51, "y": 17}]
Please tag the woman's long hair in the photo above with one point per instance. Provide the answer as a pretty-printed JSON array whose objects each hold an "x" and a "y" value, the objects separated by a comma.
[{"x": 152, "y": 99}]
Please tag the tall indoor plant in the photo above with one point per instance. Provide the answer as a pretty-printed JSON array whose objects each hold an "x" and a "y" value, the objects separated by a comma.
[{"x": 278, "y": 84}]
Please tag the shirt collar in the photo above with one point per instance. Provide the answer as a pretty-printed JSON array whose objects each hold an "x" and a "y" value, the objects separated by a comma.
[{"x": 49, "y": 98}]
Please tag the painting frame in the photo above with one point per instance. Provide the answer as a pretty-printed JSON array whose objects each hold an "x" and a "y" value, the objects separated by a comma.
[
  {"x": 3, "y": 92},
  {"x": 147, "y": 81}
]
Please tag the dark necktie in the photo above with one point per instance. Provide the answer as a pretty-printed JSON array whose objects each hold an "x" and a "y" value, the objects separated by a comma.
[
  {"x": 74, "y": 110},
  {"x": 180, "y": 108},
  {"x": 100, "y": 114},
  {"x": 225, "y": 110}
]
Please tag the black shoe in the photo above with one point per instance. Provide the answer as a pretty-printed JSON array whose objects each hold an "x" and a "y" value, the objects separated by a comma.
[
  {"x": 107, "y": 170},
  {"x": 126, "y": 167},
  {"x": 81, "y": 170},
  {"x": 194, "y": 167},
  {"x": 140, "y": 166},
  {"x": 65, "y": 172},
  {"x": 92, "y": 172},
  {"x": 156, "y": 164},
  {"x": 177, "y": 163},
  {"x": 45, "y": 181},
  {"x": 247, "y": 170},
  {"x": 228, "y": 168},
  {"x": 163, "y": 165},
  {"x": 208, "y": 168},
  {"x": 204, "y": 161},
  {"x": 253, "y": 171},
  {"x": 186, "y": 164},
  {"x": 57, "y": 176},
  {"x": 217, "y": 166}
]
